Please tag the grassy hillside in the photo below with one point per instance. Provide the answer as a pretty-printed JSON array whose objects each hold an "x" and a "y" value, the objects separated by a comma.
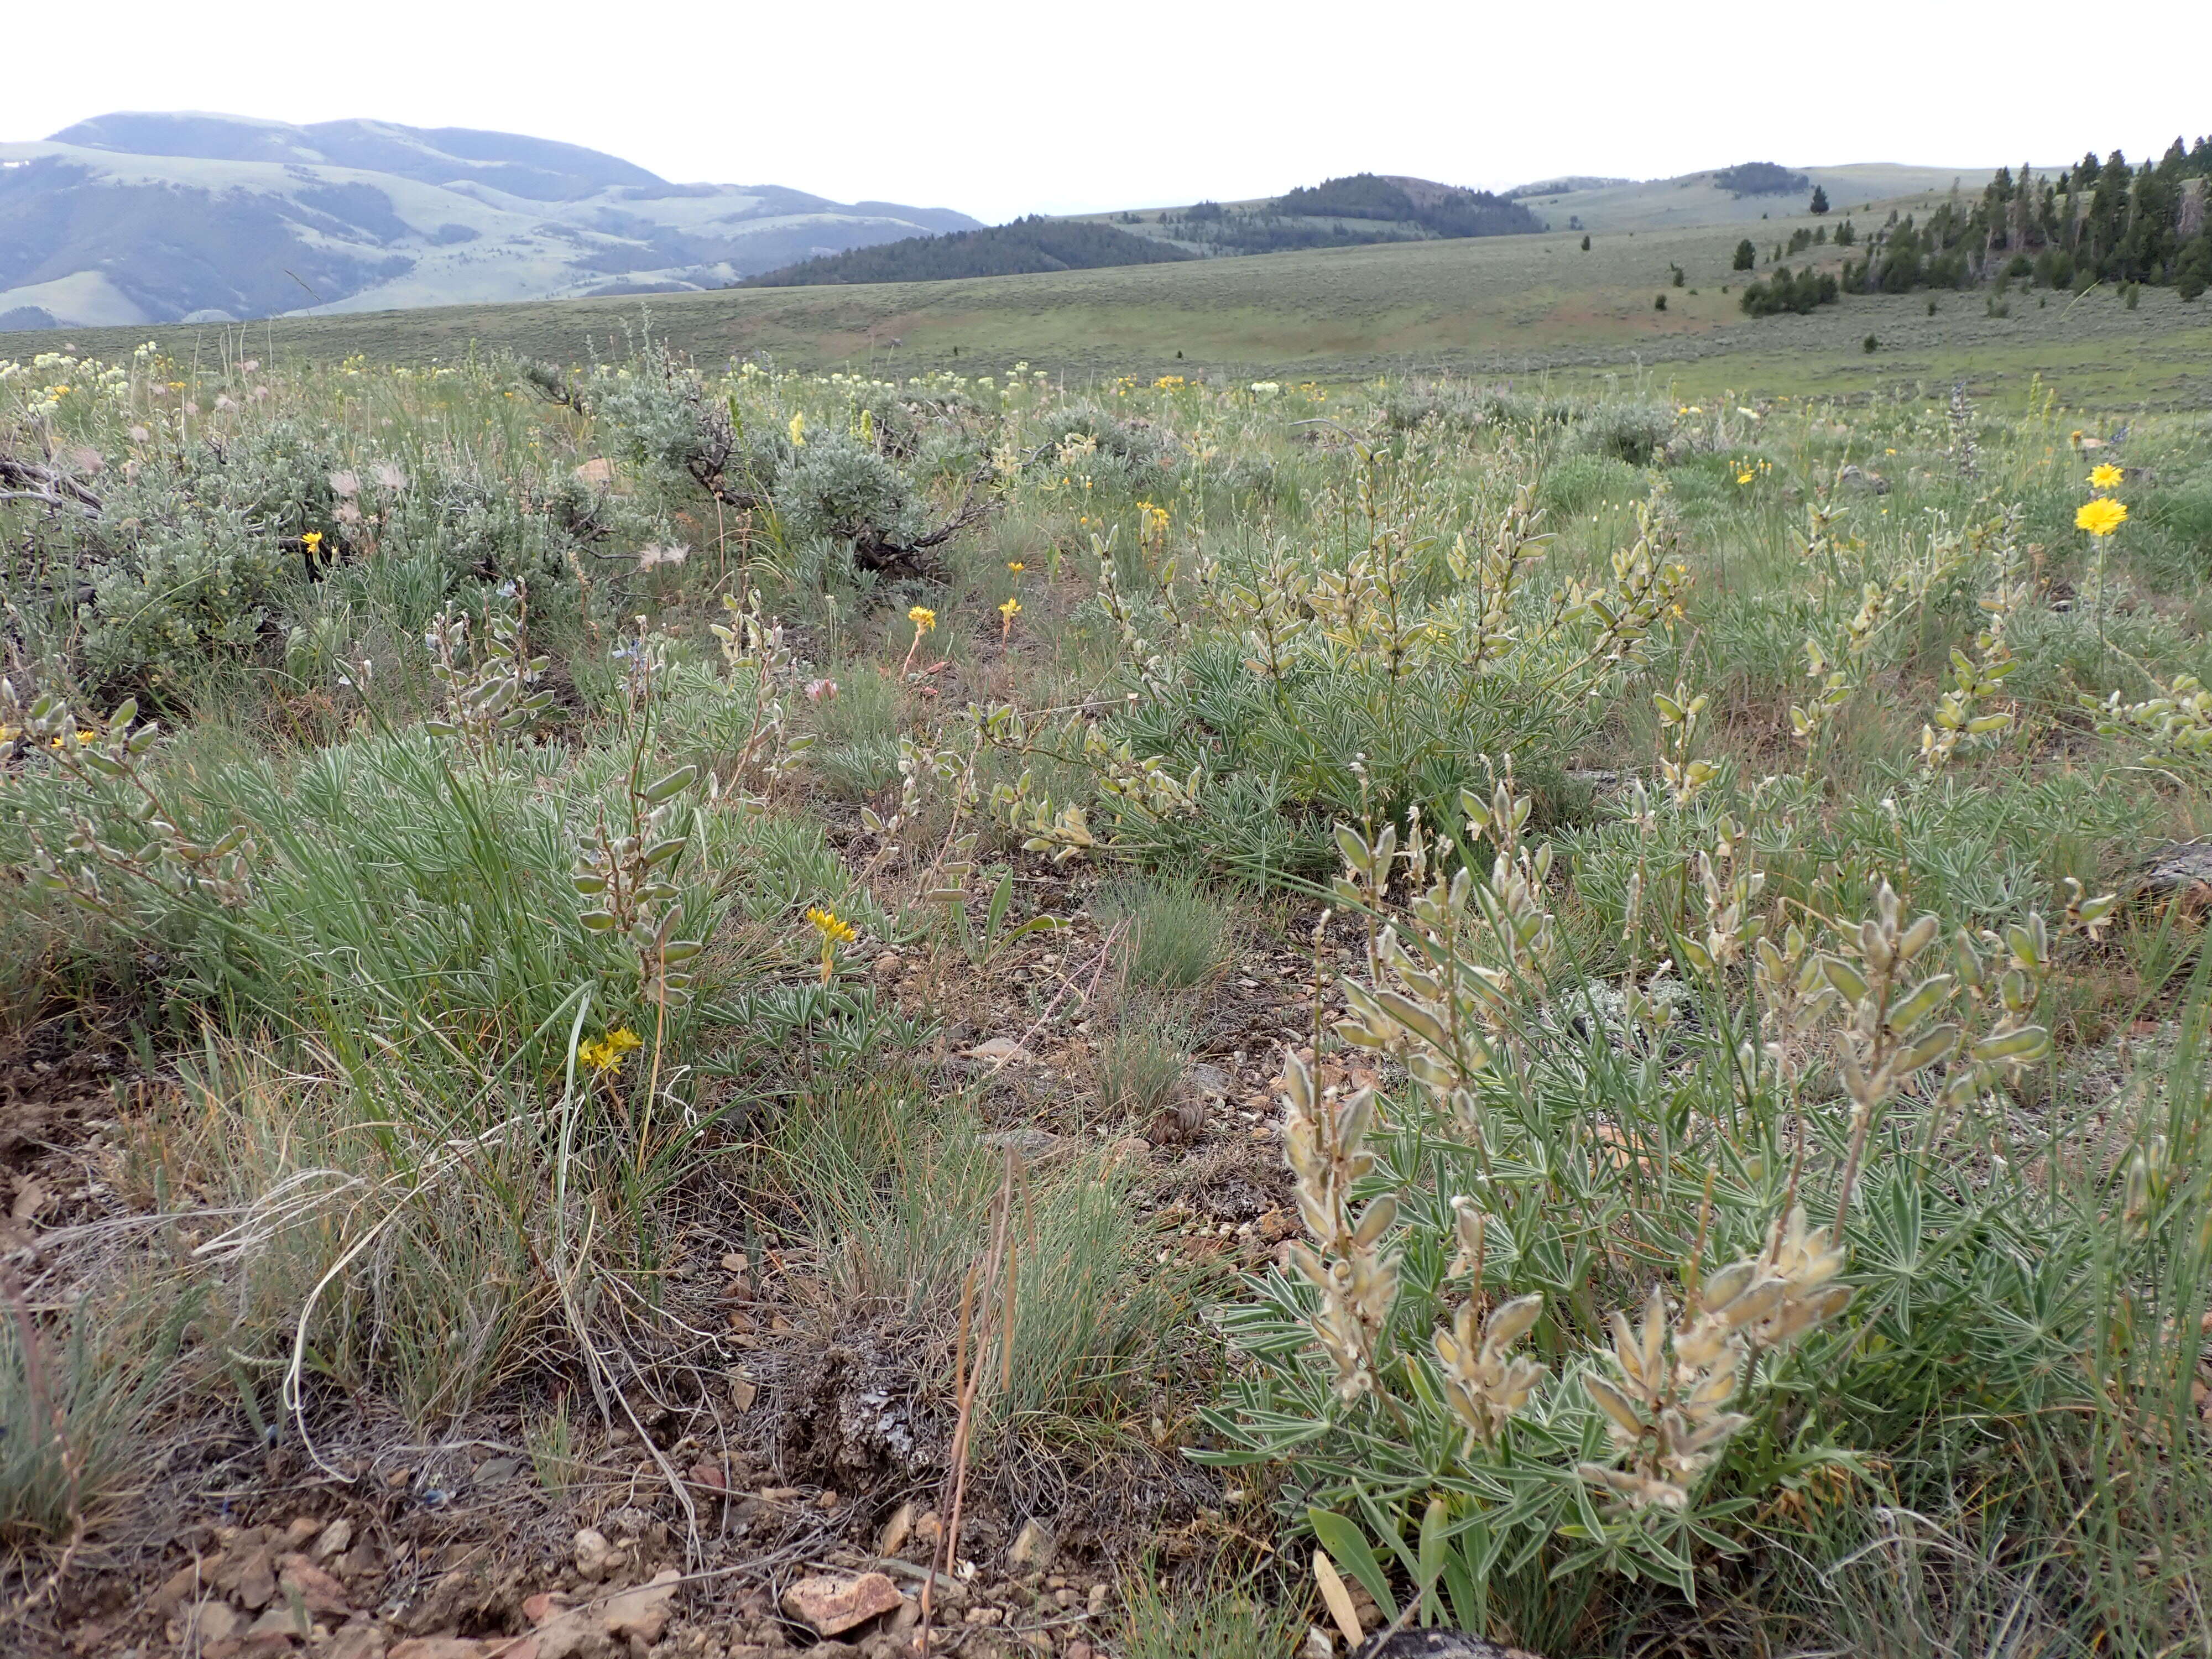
[
  {"x": 1495, "y": 306},
  {"x": 1347, "y": 212},
  {"x": 1695, "y": 199}
]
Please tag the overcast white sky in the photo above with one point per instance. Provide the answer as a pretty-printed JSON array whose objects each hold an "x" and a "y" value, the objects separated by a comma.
[{"x": 1000, "y": 108}]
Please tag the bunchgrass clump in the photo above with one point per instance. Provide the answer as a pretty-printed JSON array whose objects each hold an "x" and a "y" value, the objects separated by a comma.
[{"x": 1180, "y": 936}]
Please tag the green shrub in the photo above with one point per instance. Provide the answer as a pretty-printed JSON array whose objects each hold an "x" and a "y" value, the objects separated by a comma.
[{"x": 1629, "y": 432}]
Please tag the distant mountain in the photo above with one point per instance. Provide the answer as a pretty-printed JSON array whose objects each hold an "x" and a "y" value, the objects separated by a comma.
[
  {"x": 148, "y": 217},
  {"x": 1033, "y": 244}
]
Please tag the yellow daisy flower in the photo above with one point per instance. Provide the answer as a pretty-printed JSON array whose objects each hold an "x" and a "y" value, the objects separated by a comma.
[{"x": 2101, "y": 517}]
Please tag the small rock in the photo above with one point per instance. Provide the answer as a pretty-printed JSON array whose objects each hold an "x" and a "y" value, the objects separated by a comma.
[
  {"x": 831, "y": 1604},
  {"x": 316, "y": 1590},
  {"x": 1030, "y": 1145},
  {"x": 1208, "y": 1081},
  {"x": 896, "y": 1530},
  {"x": 642, "y": 1613},
  {"x": 444, "y": 1647},
  {"x": 1318, "y": 1644},
  {"x": 709, "y": 1474},
  {"x": 335, "y": 1539},
  {"x": 494, "y": 1470},
  {"x": 595, "y": 1556},
  {"x": 177, "y": 1589},
  {"x": 597, "y": 470},
  {"x": 544, "y": 1607},
  {"x": 361, "y": 1641},
  {"x": 999, "y": 1051},
  {"x": 281, "y": 1619},
  {"x": 210, "y": 1621},
  {"x": 303, "y": 1527},
  {"x": 1033, "y": 1548},
  {"x": 742, "y": 1391},
  {"x": 2185, "y": 866},
  {"x": 257, "y": 1580}
]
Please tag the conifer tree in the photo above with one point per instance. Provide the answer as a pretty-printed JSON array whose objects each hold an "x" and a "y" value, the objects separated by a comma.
[
  {"x": 1820, "y": 204},
  {"x": 1746, "y": 256}
]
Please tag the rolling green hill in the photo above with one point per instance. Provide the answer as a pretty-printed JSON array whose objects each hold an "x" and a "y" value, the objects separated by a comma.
[
  {"x": 1492, "y": 306},
  {"x": 1704, "y": 198}
]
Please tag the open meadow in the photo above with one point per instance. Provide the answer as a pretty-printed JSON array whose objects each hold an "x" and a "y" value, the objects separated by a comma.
[
  {"x": 658, "y": 1004},
  {"x": 1490, "y": 307}
]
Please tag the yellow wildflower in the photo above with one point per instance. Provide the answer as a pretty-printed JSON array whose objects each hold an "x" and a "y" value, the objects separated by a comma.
[
  {"x": 1016, "y": 565},
  {"x": 313, "y": 539},
  {"x": 2106, "y": 476},
  {"x": 799, "y": 428},
  {"x": 835, "y": 931},
  {"x": 606, "y": 1053},
  {"x": 922, "y": 617},
  {"x": 832, "y": 925},
  {"x": 1010, "y": 609},
  {"x": 1744, "y": 477},
  {"x": 2101, "y": 517}
]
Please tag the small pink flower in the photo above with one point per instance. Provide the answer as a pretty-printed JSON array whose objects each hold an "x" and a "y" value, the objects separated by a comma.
[{"x": 821, "y": 690}]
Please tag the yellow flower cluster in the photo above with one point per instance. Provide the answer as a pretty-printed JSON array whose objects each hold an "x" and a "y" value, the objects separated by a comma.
[
  {"x": 922, "y": 617},
  {"x": 606, "y": 1053},
  {"x": 833, "y": 927},
  {"x": 835, "y": 931}
]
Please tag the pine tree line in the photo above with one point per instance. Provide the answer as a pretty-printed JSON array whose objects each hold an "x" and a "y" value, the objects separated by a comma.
[{"x": 2097, "y": 221}]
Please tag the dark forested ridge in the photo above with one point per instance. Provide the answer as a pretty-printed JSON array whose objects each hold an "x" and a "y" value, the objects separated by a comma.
[
  {"x": 1336, "y": 213},
  {"x": 1345, "y": 212},
  {"x": 1027, "y": 245}
]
